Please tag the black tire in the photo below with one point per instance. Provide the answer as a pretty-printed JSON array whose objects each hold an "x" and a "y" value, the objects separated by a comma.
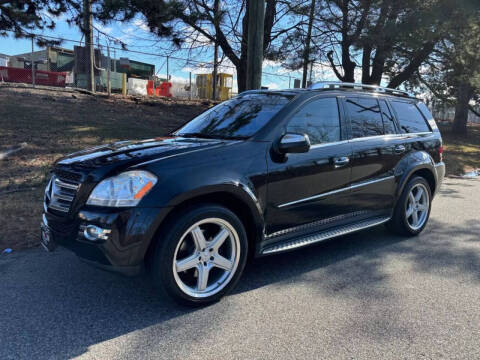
[
  {"x": 167, "y": 245},
  {"x": 399, "y": 223}
]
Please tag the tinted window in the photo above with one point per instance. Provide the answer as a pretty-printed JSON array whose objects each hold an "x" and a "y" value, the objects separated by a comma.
[
  {"x": 424, "y": 110},
  {"x": 409, "y": 117},
  {"x": 318, "y": 119},
  {"x": 365, "y": 117},
  {"x": 427, "y": 115},
  {"x": 388, "y": 121},
  {"x": 239, "y": 117}
]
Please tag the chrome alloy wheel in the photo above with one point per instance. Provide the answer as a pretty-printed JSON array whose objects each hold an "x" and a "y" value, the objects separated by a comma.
[
  {"x": 416, "y": 210},
  {"x": 206, "y": 257}
]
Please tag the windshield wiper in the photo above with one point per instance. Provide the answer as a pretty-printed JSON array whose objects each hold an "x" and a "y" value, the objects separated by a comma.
[
  {"x": 196, "y": 135},
  {"x": 212, "y": 136}
]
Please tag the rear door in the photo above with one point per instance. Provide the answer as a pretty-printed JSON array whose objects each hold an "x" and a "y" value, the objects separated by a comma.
[
  {"x": 375, "y": 150},
  {"x": 415, "y": 129},
  {"x": 311, "y": 187}
]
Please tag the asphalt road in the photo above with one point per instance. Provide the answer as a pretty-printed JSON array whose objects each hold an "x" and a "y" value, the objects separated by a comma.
[{"x": 368, "y": 295}]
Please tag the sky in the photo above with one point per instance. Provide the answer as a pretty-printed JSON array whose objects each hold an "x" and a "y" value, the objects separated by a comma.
[{"x": 135, "y": 34}]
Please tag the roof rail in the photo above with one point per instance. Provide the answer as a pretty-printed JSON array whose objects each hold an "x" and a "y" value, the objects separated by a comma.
[{"x": 346, "y": 85}]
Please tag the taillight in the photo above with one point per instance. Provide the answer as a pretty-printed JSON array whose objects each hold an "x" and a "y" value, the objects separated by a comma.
[{"x": 440, "y": 152}]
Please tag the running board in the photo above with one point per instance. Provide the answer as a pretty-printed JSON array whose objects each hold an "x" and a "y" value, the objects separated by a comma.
[{"x": 324, "y": 235}]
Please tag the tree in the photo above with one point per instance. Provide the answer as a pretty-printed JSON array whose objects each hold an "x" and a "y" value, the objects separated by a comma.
[
  {"x": 384, "y": 38},
  {"x": 23, "y": 16},
  {"x": 453, "y": 71},
  {"x": 465, "y": 71},
  {"x": 197, "y": 23},
  {"x": 299, "y": 46},
  {"x": 308, "y": 40},
  {"x": 453, "y": 74}
]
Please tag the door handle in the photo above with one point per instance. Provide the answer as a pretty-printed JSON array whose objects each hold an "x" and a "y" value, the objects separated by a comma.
[
  {"x": 341, "y": 161},
  {"x": 399, "y": 149}
]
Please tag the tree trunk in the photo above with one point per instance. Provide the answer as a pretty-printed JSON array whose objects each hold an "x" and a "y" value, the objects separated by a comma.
[
  {"x": 306, "y": 53},
  {"x": 242, "y": 75},
  {"x": 88, "y": 32},
  {"x": 463, "y": 94},
  {"x": 241, "y": 66},
  {"x": 367, "y": 52},
  {"x": 348, "y": 65},
  {"x": 413, "y": 66},
  {"x": 216, "y": 15}
]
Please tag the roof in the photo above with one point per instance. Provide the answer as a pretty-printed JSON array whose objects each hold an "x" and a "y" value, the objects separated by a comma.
[
  {"x": 337, "y": 86},
  {"x": 358, "y": 86}
]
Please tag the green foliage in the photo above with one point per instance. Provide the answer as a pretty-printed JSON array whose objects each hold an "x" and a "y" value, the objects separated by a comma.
[
  {"x": 24, "y": 16},
  {"x": 456, "y": 59},
  {"x": 159, "y": 14}
]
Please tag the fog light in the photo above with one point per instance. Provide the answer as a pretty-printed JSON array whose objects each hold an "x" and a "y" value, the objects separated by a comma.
[{"x": 93, "y": 233}]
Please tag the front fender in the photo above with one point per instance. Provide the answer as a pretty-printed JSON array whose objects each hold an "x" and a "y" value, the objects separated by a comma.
[{"x": 239, "y": 190}]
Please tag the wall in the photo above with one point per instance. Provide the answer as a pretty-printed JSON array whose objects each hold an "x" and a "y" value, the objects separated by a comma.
[{"x": 448, "y": 114}]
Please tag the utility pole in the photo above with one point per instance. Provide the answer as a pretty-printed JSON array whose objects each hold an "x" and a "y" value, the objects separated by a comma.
[
  {"x": 216, "y": 17},
  {"x": 311, "y": 72},
  {"x": 32, "y": 62},
  {"x": 190, "y": 87},
  {"x": 88, "y": 31},
  {"x": 215, "y": 73},
  {"x": 256, "y": 18},
  {"x": 306, "y": 52},
  {"x": 109, "y": 63},
  {"x": 168, "y": 72}
]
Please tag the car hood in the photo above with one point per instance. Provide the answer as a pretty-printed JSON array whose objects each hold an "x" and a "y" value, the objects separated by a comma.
[{"x": 135, "y": 152}]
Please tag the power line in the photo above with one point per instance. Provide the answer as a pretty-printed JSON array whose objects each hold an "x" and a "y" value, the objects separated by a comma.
[{"x": 188, "y": 60}]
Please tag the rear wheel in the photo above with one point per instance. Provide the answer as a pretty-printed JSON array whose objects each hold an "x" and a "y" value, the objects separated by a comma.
[
  {"x": 413, "y": 208},
  {"x": 200, "y": 257}
]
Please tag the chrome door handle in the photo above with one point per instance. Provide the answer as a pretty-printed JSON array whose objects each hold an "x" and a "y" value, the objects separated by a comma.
[
  {"x": 399, "y": 149},
  {"x": 341, "y": 161}
]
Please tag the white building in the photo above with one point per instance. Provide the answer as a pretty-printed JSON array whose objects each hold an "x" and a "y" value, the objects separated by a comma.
[{"x": 4, "y": 60}]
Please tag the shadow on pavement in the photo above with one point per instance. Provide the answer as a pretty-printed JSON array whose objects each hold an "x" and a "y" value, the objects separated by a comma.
[
  {"x": 57, "y": 304},
  {"x": 435, "y": 250}
]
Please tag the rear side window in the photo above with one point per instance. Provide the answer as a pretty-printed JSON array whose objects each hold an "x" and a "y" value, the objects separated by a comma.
[
  {"x": 365, "y": 117},
  {"x": 409, "y": 117},
  {"x": 388, "y": 120},
  {"x": 427, "y": 115},
  {"x": 319, "y": 119}
]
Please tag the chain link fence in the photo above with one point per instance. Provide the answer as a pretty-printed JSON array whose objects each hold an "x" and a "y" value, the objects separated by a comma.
[{"x": 123, "y": 71}]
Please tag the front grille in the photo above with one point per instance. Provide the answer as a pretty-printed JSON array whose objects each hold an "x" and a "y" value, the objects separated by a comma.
[
  {"x": 61, "y": 191},
  {"x": 68, "y": 176}
]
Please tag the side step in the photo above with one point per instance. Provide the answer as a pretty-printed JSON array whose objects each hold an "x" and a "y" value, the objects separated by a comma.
[{"x": 324, "y": 235}]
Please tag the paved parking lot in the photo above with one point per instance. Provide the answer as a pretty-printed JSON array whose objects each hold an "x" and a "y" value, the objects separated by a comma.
[{"x": 368, "y": 295}]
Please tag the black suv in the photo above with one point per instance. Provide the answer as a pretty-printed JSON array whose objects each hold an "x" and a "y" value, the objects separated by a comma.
[{"x": 262, "y": 173}]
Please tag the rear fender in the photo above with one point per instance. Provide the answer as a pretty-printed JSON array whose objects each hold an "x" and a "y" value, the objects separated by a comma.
[{"x": 411, "y": 164}]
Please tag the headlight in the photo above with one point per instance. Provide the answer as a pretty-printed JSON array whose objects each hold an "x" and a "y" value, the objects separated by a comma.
[{"x": 126, "y": 189}]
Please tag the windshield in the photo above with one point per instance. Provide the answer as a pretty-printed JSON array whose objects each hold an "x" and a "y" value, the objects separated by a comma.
[{"x": 238, "y": 118}]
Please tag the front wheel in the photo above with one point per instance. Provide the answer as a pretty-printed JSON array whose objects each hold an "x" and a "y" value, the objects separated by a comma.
[
  {"x": 201, "y": 256},
  {"x": 413, "y": 208}
]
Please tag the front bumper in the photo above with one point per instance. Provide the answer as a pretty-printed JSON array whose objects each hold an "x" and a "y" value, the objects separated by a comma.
[{"x": 123, "y": 250}]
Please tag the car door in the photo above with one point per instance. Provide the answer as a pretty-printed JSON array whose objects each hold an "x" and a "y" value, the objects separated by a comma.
[
  {"x": 416, "y": 132},
  {"x": 375, "y": 152},
  {"x": 311, "y": 187}
]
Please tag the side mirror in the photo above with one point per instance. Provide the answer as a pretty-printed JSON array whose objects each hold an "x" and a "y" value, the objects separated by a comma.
[{"x": 294, "y": 143}]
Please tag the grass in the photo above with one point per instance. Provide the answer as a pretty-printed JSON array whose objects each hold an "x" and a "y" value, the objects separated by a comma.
[
  {"x": 54, "y": 124},
  {"x": 461, "y": 154}
]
